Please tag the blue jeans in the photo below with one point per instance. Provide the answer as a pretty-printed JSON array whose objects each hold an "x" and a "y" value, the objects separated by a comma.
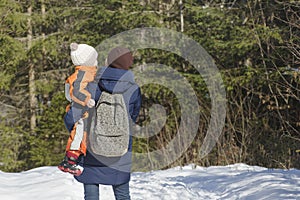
[{"x": 121, "y": 192}]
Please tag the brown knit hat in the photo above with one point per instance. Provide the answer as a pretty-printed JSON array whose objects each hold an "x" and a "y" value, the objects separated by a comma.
[{"x": 120, "y": 57}]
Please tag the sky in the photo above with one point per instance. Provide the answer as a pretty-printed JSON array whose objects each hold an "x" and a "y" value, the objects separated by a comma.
[{"x": 238, "y": 181}]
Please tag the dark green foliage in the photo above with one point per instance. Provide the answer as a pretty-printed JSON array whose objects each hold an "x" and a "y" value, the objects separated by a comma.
[
  {"x": 12, "y": 145},
  {"x": 10, "y": 58},
  {"x": 47, "y": 146}
]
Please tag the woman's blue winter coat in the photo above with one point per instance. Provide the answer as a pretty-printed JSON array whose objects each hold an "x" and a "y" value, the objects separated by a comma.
[{"x": 112, "y": 80}]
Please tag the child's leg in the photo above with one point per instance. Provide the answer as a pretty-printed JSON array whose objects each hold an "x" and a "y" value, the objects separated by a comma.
[
  {"x": 76, "y": 146},
  {"x": 73, "y": 150},
  {"x": 77, "y": 139}
]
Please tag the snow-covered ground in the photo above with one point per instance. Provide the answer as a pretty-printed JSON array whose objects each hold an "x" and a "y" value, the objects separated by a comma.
[{"x": 237, "y": 181}]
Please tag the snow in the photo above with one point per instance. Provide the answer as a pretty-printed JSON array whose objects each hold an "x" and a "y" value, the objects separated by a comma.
[{"x": 238, "y": 181}]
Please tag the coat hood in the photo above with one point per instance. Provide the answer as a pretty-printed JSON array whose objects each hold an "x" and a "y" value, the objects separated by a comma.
[{"x": 114, "y": 80}]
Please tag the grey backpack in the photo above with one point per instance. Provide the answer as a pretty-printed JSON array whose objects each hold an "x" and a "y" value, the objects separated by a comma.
[{"x": 109, "y": 133}]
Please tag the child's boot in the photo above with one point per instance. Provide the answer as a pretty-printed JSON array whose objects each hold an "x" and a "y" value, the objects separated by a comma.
[{"x": 70, "y": 163}]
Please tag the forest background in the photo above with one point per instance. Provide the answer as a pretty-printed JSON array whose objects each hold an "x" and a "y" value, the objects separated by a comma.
[{"x": 254, "y": 43}]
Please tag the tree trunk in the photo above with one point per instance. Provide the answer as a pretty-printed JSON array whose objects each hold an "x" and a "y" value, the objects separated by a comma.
[
  {"x": 31, "y": 75},
  {"x": 181, "y": 17}
]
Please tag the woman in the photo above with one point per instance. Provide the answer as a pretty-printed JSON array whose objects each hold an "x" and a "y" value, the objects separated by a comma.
[{"x": 116, "y": 77}]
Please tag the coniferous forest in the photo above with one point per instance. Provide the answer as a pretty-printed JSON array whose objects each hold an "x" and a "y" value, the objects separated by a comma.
[{"x": 254, "y": 43}]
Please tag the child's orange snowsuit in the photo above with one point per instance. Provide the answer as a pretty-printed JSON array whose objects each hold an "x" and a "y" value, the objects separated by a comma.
[{"x": 76, "y": 92}]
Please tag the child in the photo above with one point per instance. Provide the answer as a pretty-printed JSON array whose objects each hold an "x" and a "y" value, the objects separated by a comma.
[{"x": 84, "y": 57}]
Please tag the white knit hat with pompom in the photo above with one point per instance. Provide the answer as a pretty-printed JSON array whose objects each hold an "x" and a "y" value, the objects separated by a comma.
[{"x": 83, "y": 55}]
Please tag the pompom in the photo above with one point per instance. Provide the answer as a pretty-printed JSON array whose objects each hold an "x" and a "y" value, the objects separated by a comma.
[{"x": 73, "y": 46}]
